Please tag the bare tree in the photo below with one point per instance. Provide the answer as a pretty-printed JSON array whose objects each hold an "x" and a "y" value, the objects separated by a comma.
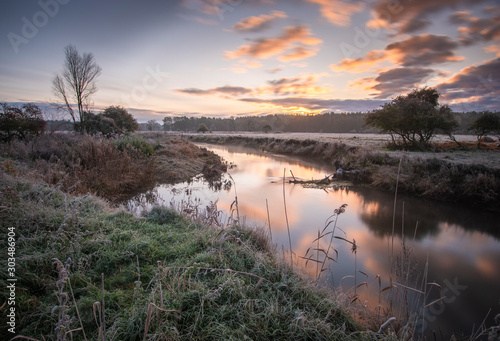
[{"x": 77, "y": 83}]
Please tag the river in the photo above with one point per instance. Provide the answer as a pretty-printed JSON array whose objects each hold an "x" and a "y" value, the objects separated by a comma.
[{"x": 455, "y": 247}]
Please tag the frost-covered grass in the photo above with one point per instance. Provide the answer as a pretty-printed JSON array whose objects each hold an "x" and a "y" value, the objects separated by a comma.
[{"x": 86, "y": 272}]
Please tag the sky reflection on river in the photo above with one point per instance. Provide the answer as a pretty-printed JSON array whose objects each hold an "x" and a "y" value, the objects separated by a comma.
[{"x": 462, "y": 245}]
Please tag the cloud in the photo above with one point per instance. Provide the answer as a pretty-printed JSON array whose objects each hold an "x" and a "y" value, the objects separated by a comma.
[
  {"x": 316, "y": 104},
  {"x": 492, "y": 49},
  {"x": 200, "y": 20},
  {"x": 362, "y": 64},
  {"x": 410, "y": 16},
  {"x": 305, "y": 85},
  {"x": 217, "y": 8},
  {"x": 227, "y": 90},
  {"x": 275, "y": 70},
  {"x": 260, "y": 23},
  {"x": 338, "y": 12},
  {"x": 267, "y": 47},
  {"x": 425, "y": 50},
  {"x": 207, "y": 7},
  {"x": 476, "y": 29},
  {"x": 475, "y": 84},
  {"x": 421, "y": 50},
  {"x": 395, "y": 81},
  {"x": 238, "y": 69},
  {"x": 298, "y": 53}
]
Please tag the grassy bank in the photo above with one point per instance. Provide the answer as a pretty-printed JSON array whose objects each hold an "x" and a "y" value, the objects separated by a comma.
[
  {"x": 86, "y": 271},
  {"x": 112, "y": 169},
  {"x": 432, "y": 176}
]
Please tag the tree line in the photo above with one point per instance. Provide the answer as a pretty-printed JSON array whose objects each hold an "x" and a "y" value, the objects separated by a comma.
[
  {"x": 323, "y": 123},
  {"x": 412, "y": 120}
]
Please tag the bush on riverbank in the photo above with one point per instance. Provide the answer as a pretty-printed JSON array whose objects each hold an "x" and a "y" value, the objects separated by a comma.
[
  {"x": 112, "y": 169},
  {"x": 82, "y": 164},
  {"x": 165, "y": 277}
]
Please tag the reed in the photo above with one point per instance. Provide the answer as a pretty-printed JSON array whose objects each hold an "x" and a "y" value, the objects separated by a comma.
[{"x": 286, "y": 219}]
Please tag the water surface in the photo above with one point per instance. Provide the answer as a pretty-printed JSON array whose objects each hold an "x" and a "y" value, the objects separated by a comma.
[{"x": 459, "y": 245}]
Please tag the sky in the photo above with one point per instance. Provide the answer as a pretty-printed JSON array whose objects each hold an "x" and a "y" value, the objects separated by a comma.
[{"x": 223, "y": 58}]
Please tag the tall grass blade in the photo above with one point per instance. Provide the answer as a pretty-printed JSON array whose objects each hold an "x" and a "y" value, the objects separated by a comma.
[
  {"x": 286, "y": 218},
  {"x": 269, "y": 221}
]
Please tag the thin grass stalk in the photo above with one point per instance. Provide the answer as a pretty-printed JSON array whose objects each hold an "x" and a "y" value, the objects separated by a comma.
[
  {"x": 394, "y": 223},
  {"x": 235, "y": 198},
  {"x": 355, "y": 274},
  {"x": 24, "y": 338},
  {"x": 424, "y": 282},
  {"x": 76, "y": 308},
  {"x": 161, "y": 291},
  {"x": 317, "y": 255},
  {"x": 148, "y": 320},
  {"x": 103, "y": 311},
  {"x": 329, "y": 245},
  {"x": 286, "y": 218},
  {"x": 269, "y": 221}
]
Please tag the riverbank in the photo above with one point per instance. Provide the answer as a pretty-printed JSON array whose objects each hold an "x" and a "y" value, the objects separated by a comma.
[
  {"x": 471, "y": 176},
  {"x": 86, "y": 271},
  {"x": 112, "y": 169}
]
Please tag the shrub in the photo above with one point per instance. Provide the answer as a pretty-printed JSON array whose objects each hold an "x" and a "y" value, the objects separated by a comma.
[
  {"x": 487, "y": 122},
  {"x": 415, "y": 118},
  {"x": 202, "y": 128},
  {"x": 121, "y": 117},
  {"x": 161, "y": 215},
  {"x": 97, "y": 124},
  {"x": 21, "y": 123},
  {"x": 134, "y": 143}
]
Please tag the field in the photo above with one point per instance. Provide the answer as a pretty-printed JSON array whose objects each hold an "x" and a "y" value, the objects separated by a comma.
[{"x": 449, "y": 150}]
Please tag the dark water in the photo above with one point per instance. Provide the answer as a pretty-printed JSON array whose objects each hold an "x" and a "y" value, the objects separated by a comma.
[{"x": 459, "y": 245}]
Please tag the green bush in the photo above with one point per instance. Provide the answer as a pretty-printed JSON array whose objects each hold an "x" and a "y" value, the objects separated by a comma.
[{"x": 134, "y": 143}]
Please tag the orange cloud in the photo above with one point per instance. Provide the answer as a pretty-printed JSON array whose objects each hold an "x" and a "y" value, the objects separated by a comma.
[
  {"x": 338, "y": 12},
  {"x": 298, "y": 53},
  {"x": 365, "y": 83},
  {"x": 416, "y": 51},
  {"x": 476, "y": 29},
  {"x": 303, "y": 85},
  {"x": 394, "y": 81},
  {"x": 256, "y": 24},
  {"x": 362, "y": 64},
  {"x": 475, "y": 83},
  {"x": 424, "y": 50},
  {"x": 268, "y": 47},
  {"x": 492, "y": 49}
]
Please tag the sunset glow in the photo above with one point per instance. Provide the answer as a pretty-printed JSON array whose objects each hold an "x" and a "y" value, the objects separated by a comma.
[{"x": 253, "y": 57}]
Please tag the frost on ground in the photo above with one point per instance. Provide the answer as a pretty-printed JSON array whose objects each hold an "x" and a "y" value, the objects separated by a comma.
[{"x": 488, "y": 158}]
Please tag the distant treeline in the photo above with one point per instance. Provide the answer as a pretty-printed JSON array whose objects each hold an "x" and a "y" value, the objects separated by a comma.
[{"x": 323, "y": 123}]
